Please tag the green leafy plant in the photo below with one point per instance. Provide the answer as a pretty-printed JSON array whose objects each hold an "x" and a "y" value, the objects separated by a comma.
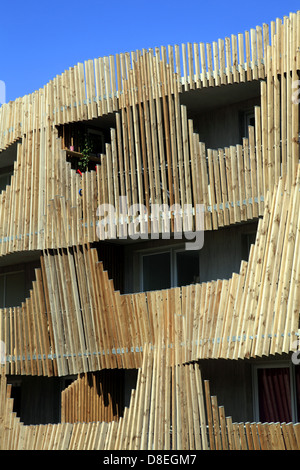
[{"x": 84, "y": 160}]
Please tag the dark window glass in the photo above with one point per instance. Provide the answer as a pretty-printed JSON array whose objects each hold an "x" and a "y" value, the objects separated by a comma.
[
  {"x": 187, "y": 264},
  {"x": 157, "y": 271}
]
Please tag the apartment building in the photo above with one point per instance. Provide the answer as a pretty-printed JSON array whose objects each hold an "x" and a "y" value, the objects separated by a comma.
[{"x": 149, "y": 246}]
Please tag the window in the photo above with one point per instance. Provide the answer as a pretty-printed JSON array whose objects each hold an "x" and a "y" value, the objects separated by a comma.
[
  {"x": 168, "y": 268},
  {"x": 187, "y": 268},
  {"x": 156, "y": 272},
  {"x": 12, "y": 288},
  {"x": 247, "y": 119},
  {"x": 276, "y": 393}
]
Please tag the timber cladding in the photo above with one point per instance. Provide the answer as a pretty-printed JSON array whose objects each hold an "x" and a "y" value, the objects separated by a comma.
[
  {"x": 96, "y": 396},
  {"x": 162, "y": 391},
  {"x": 75, "y": 321}
]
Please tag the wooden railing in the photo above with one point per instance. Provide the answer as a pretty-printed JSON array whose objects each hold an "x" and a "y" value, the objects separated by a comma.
[
  {"x": 170, "y": 409},
  {"x": 155, "y": 155},
  {"x": 104, "y": 85},
  {"x": 49, "y": 205},
  {"x": 74, "y": 321}
]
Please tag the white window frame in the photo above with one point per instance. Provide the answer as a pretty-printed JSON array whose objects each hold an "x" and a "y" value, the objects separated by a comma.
[
  {"x": 273, "y": 365},
  {"x": 173, "y": 262}
]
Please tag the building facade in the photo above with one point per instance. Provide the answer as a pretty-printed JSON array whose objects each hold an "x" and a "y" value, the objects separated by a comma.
[{"x": 149, "y": 250}]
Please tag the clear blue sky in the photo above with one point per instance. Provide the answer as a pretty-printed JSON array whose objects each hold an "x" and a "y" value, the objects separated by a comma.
[{"x": 42, "y": 39}]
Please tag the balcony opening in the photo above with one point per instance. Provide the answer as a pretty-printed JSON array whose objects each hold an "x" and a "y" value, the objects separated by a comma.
[
  {"x": 164, "y": 264},
  {"x": 36, "y": 399},
  {"x": 100, "y": 395},
  {"x": 16, "y": 277},
  {"x": 221, "y": 115},
  {"x": 8, "y": 158},
  {"x": 85, "y": 142},
  {"x": 112, "y": 257},
  {"x": 15, "y": 394}
]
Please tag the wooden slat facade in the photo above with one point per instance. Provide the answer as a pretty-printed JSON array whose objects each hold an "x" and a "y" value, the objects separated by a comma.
[
  {"x": 156, "y": 418},
  {"x": 75, "y": 321}
]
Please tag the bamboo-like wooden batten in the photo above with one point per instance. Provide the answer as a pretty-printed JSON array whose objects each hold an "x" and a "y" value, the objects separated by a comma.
[
  {"x": 156, "y": 419},
  {"x": 155, "y": 156},
  {"x": 103, "y": 85},
  {"x": 96, "y": 396},
  {"x": 56, "y": 207},
  {"x": 74, "y": 321}
]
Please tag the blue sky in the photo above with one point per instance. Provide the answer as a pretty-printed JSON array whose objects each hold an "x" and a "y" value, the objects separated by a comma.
[{"x": 42, "y": 39}]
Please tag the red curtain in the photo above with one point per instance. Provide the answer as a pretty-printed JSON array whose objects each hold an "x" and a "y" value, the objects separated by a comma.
[
  {"x": 274, "y": 395},
  {"x": 297, "y": 375}
]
